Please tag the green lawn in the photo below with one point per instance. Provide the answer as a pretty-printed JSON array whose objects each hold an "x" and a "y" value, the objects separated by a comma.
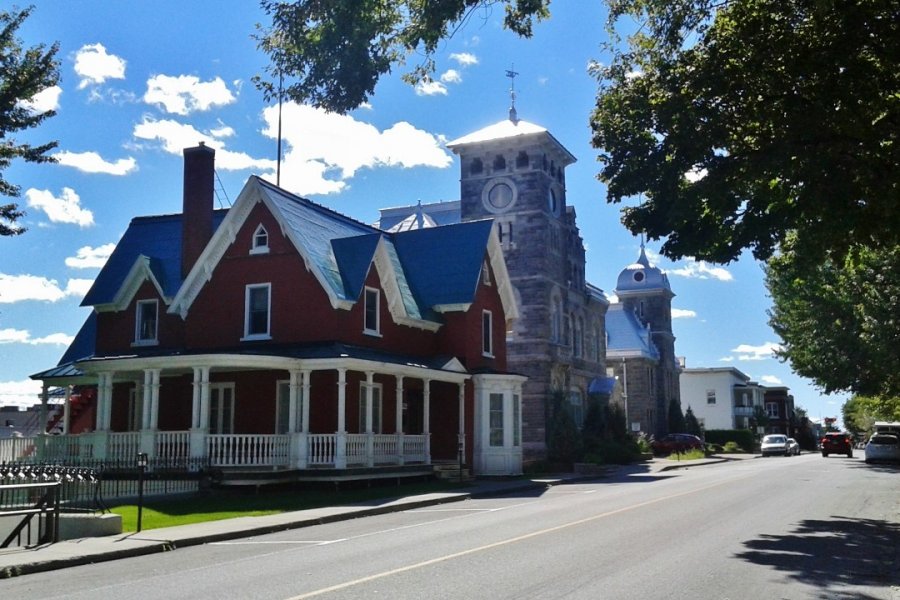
[{"x": 230, "y": 503}]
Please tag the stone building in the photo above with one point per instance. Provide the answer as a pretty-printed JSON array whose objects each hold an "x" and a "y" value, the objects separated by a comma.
[{"x": 514, "y": 173}]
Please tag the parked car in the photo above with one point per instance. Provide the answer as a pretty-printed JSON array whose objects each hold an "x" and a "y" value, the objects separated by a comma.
[
  {"x": 793, "y": 447},
  {"x": 775, "y": 443},
  {"x": 883, "y": 447},
  {"x": 676, "y": 442},
  {"x": 837, "y": 443}
]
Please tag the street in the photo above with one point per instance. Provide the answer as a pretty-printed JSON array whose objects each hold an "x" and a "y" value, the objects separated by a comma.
[{"x": 798, "y": 527}]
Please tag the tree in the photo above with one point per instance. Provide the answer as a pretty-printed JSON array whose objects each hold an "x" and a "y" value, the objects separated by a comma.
[
  {"x": 740, "y": 122},
  {"x": 675, "y": 417},
  {"x": 861, "y": 412},
  {"x": 333, "y": 52},
  {"x": 839, "y": 320},
  {"x": 23, "y": 74},
  {"x": 691, "y": 424}
]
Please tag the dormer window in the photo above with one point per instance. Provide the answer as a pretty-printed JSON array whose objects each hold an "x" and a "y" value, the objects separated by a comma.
[
  {"x": 260, "y": 243},
  {"x": 485, "y": 274},
  {"x": 146, "y": 319},
  {"x": 372, "y": 323}
]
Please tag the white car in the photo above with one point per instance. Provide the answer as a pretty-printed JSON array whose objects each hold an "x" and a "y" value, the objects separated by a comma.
[
  {"x": 775, "y": 444},
  {"x": 883, "y": 447},
  {"x": 793, "y": 447}
]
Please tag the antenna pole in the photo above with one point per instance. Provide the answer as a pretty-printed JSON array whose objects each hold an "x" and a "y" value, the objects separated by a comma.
[{"x": 511, "y": 73}]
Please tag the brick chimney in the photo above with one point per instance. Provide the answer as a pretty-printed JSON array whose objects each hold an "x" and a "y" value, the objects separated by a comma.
[{"x": 196, "y": 226}]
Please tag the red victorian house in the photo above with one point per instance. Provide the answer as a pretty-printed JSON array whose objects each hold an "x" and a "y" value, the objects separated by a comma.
[{"x": 281, "y": 335}]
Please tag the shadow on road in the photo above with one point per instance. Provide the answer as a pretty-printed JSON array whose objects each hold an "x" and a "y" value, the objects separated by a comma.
[{"x": 834, "y": 554}]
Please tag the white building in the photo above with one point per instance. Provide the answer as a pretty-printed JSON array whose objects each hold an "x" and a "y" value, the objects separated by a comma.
[{"x": 720, "y": 397}]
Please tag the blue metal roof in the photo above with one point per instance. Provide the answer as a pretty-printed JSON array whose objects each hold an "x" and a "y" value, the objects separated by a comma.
[
  {"x": 442, "y": 264},
  {"x": 159, "y": 239},
  {"x": 625, "y": 334}
]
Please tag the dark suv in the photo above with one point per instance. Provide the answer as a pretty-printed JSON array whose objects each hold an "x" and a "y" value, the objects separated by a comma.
[{"x": 837, "y": 443}]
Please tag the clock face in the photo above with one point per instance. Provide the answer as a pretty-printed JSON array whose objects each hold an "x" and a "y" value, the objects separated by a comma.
[{"x": 500, "y": 196}]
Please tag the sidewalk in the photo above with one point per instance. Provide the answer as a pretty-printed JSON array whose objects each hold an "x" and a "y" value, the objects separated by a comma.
[{"x": 22, "y": 561}]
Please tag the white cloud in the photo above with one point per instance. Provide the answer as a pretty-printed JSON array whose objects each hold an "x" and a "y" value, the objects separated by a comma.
[
  {"x": 20, "y": 288},
  {"x": 770, "y": 380},
  {"x": 21, "y": 336},
  {"x": 763, "y": 352},
  {"x": 65, "y": 209},
  {"x": 175, "y": 137},
  {"x": 324, "y": 149},
  {"x": 20, "y": 393},
  {"x": 95, "y": 66},
  {"x": 185, "y": 94},
  {"x": 694, "y": 269},
  {"x": 727, "y": 359},
  {"x": 430, "y": 88},
  {"x": 451, "y": 76},
  {"x": 695, "y": 175},
  {"x": 46, "y": 99},
  {"x": 90, "y": 258},
  {"x": 222, "y": 132},
  {"x": 679, "y": 313},
  {"x": 91, "y": 162},
  {"x": 465, "y": 59}
]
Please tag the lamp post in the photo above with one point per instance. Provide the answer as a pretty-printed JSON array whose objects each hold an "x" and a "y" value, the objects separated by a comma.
[{"x": 142, "y": 467}]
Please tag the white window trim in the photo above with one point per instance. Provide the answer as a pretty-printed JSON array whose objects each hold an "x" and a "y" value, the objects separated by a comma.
[
  {"x": 366, "y": 330},
  {"x": 257, "y": 336},
  {"x": 138, "y": 340},
  {"x": 259, "y": 248},
  {"x": 489, "y": 351},
  {"x": 377, "y": 409}
]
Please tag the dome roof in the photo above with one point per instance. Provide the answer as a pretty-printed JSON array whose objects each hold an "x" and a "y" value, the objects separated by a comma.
[{"x": 641, "y": 276}]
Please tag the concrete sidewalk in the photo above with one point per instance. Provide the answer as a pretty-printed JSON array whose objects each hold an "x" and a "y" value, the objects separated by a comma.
[{"x": 22, "y": 561}]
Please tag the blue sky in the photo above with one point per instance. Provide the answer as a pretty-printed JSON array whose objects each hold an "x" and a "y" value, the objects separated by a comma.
[{"x": 142, "y": 80}]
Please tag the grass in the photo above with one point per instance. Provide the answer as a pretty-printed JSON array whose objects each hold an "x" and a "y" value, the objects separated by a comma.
[
  {"x": 231, "y": 503},
  {"x": 688, "y": 455}
]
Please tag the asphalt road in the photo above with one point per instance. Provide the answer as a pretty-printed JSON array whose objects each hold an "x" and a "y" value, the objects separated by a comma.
[{"x": 798, "y": 527}]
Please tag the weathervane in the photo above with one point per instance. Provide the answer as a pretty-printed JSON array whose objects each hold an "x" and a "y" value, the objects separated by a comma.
[{"x": 511, "y": 73}]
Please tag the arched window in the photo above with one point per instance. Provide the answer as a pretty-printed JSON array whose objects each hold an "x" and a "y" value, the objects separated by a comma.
[
  {"x": 476, "y": 168},
  {"x": 499, "y": 163},
  {"x": 260, "y": 243},
  {"x": 522, "y": 160}
]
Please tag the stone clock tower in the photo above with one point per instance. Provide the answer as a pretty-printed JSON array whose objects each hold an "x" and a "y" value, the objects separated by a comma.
[{"x": 514, "y": 173}]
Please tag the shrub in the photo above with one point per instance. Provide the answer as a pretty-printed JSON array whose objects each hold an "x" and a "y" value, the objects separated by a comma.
[
  {"x": 732, "y": 447},
  {"x": 744, "y": 438},
  {"x": 611, "y": 453}
]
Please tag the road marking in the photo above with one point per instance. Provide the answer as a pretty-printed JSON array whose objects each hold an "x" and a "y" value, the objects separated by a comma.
[
  {"x": 506, "y": 542},
  {"x": 276, "y": 543}
]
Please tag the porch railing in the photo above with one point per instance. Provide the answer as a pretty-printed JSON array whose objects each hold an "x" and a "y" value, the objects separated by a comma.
[
  {"x": 173, "y": 447},
  {"x": 123, "y": 446},
  {"x": 251, "y": 450},
  {"x": 321, "y": 449}
]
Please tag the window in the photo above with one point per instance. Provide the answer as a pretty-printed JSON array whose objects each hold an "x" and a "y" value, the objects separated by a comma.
[
  {"x": 283, "y": 407},
  {"x": 485, "y": 273},
  {"x": 487, "y": 337},
  {"x": 260, "y": 243},
  {"x": 499, "y": 163},
  {"x": 146, "y": 322},
  {"x": 257, "y": 316},
  {"x": 522, "y": 160},
  {"x": 517, "y": 421},
  {"x": 772, "y": 410},
  {"x": 221, "y": 408},
  {"x": 135, "y": 408},
  {"x": 496, "y": 420},
  {"x": 476, "y": 167},
  {"x": 576, "y": 407},
  {"x": 364, "y": 396},
  {"x": 710, "y": 396},
  {"x": 372, "y": 323}
]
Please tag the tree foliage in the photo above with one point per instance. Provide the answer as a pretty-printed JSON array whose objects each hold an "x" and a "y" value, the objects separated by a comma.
[
  {"x": 24, "y": 72},
  {"x": 739, "y": 122},
  {"x": 860, "y": 412},
  {"x": 839, "y": 320},
  {"x": 331, "y": 53},
  {"x": 691, "y": 423},
  {"x": 676, "y": 417}
]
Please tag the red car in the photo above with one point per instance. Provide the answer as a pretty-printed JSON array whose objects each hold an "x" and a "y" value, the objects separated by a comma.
[
  {"x": 676, "y": 442},
  {"x": 837, "y": 443}
]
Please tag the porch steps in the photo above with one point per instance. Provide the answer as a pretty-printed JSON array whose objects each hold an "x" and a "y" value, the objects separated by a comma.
[{"x": 451, "y": 472}]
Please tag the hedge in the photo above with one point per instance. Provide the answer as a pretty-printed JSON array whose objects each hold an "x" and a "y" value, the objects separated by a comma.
[{"x": 742, "y": 437}]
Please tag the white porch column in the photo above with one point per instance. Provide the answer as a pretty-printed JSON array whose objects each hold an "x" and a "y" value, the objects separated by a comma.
[
  {"x": 340, "y": 451},
  {"x": 398, "y": 421},
  {"x": 426, "y": 418},
  {"x": 154, "y": 399},
  {"x": 461, "y": 435},
  {"x": 298, "y": 442},
  {"x": 147, "y": 442},
  {"x": 370, "y": 431},
  {"x": 304, "y": 404},
  {"x": 67, "y": 410},
  {"x": 199, "y": 412},
  {"x": 103, "y": 413}
]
